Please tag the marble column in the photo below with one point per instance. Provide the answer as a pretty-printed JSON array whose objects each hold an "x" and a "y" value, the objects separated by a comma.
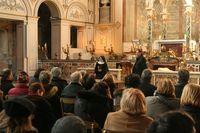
[
  {"x": 188, "y": 32},
  {"x": 30, "y": 47},
  {"x": 150, "y": 30},
  {"x": 118, "y": 26},
  {"x": 20, "y": 41},
  {"x": 65, "y": 37},
  {"x": 55, "y": 38}
]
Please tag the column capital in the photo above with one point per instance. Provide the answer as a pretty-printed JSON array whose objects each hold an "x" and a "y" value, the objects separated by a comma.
[{"x": 31, "y": 20}]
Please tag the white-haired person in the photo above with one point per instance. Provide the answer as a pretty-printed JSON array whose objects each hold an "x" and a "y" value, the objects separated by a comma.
[
  {"x": 51, "y": 92},
  {"x": 71, "y": 90},
  {"x": 131, "y": 118},
  {"x": 190, "y": 103},
  {"x": 57, "y": 80}
]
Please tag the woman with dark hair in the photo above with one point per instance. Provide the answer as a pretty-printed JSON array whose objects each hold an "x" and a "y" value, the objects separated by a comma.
[
  {"x": 101, "y": 67},
  {"x": 172, "y": 122},
  {"x": 146, "y": 87},
  {"x": 94, "y": 104},
  {"x": 35, "y": 78},
  {"x": 6, "y": 81},
  {"x": 88, "y": 81}
]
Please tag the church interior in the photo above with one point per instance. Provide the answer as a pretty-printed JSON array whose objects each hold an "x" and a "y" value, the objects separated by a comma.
[{"x": 97, "y": 38}]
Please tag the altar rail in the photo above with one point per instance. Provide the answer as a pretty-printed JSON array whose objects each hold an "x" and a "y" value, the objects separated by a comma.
[
  {"x": 116, "y": 72},
  {"x": 70, "y": 66},
  {"x": 173, "y": 75},
  {"x": 193, "y": 66}
]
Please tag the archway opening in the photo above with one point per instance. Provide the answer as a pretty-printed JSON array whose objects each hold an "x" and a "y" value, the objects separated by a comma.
[
  {"x": 47, "y": 13},
  {"x": 73, "y": 33},
  {"x": 44, "y": 31}
]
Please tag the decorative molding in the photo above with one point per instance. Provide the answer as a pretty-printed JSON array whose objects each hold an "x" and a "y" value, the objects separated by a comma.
[
  {"x": 117, "y": 24},
  {"x": 66, "y": 3},
  {"x": 12, "y": 5},
  {"x": 77, "y": 12}
]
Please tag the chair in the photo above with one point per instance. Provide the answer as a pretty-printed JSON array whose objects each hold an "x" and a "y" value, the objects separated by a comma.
[
  {"x": 66, "y": 101},
  {"x": 91, "y": 126}
]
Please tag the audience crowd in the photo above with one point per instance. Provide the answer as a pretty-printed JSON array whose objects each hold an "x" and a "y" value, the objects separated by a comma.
[{"x": 90, "y": 105}]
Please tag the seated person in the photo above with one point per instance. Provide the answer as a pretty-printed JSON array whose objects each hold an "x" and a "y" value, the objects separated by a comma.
[
  {"x": 69, "y": 124},
  {"x": 101, "y": 67},
  {"x": 6, "y": 81},
  {"x": 51, "y": 92},
  {"x": 43, "y": 115},
  {"x": 20, "y": 112},
  {"x": 131, "y": 118},
  {"x": 183, "y": 78},
  {"x": 164, "y": 99},
  {"x": 146, "y": 87},
  {"x": 21, "y": 87},
  {"x": 172, "y": 122},
  {"x": 94, "y": 105},
  {"x": 71, "y": 90},
  {"x": 190, "y": 103},
  {"x": 57, "y": 80}
]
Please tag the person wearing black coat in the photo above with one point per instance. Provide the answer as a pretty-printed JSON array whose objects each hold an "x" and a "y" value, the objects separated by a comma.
[
  {"x": 140, "y": 63},
  {"x": 51, "y": 93},
  {"x": 146, "y": 87},
  {"x": 72, "y": 90},
  {"x": 43, "y": 115},
  {"x": 57, "y": 80},
  {"x": 6, "y": 81},
  {"x": 101, "y": 67},
  {"x": 183, "y": 78},
  {"x": 94, "y": 105}
]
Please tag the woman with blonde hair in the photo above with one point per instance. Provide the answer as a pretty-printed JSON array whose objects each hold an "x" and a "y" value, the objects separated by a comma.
[
  {"x": 190, "y": 102},
  {"x": 163, "y": 100},
  {"x": 131, "y": 117}
]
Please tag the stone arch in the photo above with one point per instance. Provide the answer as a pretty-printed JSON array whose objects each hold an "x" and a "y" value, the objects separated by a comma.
[
  {"x": 54, "y": 6},
  {"x": 77, "y": 12},
  {"x": 28, "y": 7}
]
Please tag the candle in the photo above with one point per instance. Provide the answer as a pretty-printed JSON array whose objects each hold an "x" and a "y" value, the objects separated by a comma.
[{"x": 45, "y": 46}]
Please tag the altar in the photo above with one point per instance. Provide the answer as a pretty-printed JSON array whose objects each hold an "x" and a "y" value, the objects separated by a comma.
[
  {"x": 171, "y": 45},
  {"x": 166, "y": 54}
]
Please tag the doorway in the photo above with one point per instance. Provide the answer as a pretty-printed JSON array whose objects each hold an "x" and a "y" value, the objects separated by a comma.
[
  {"x": 73, "y": 37},
  {"x": 77, "y": 36},
  {"x": 44, "y": 32}
]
